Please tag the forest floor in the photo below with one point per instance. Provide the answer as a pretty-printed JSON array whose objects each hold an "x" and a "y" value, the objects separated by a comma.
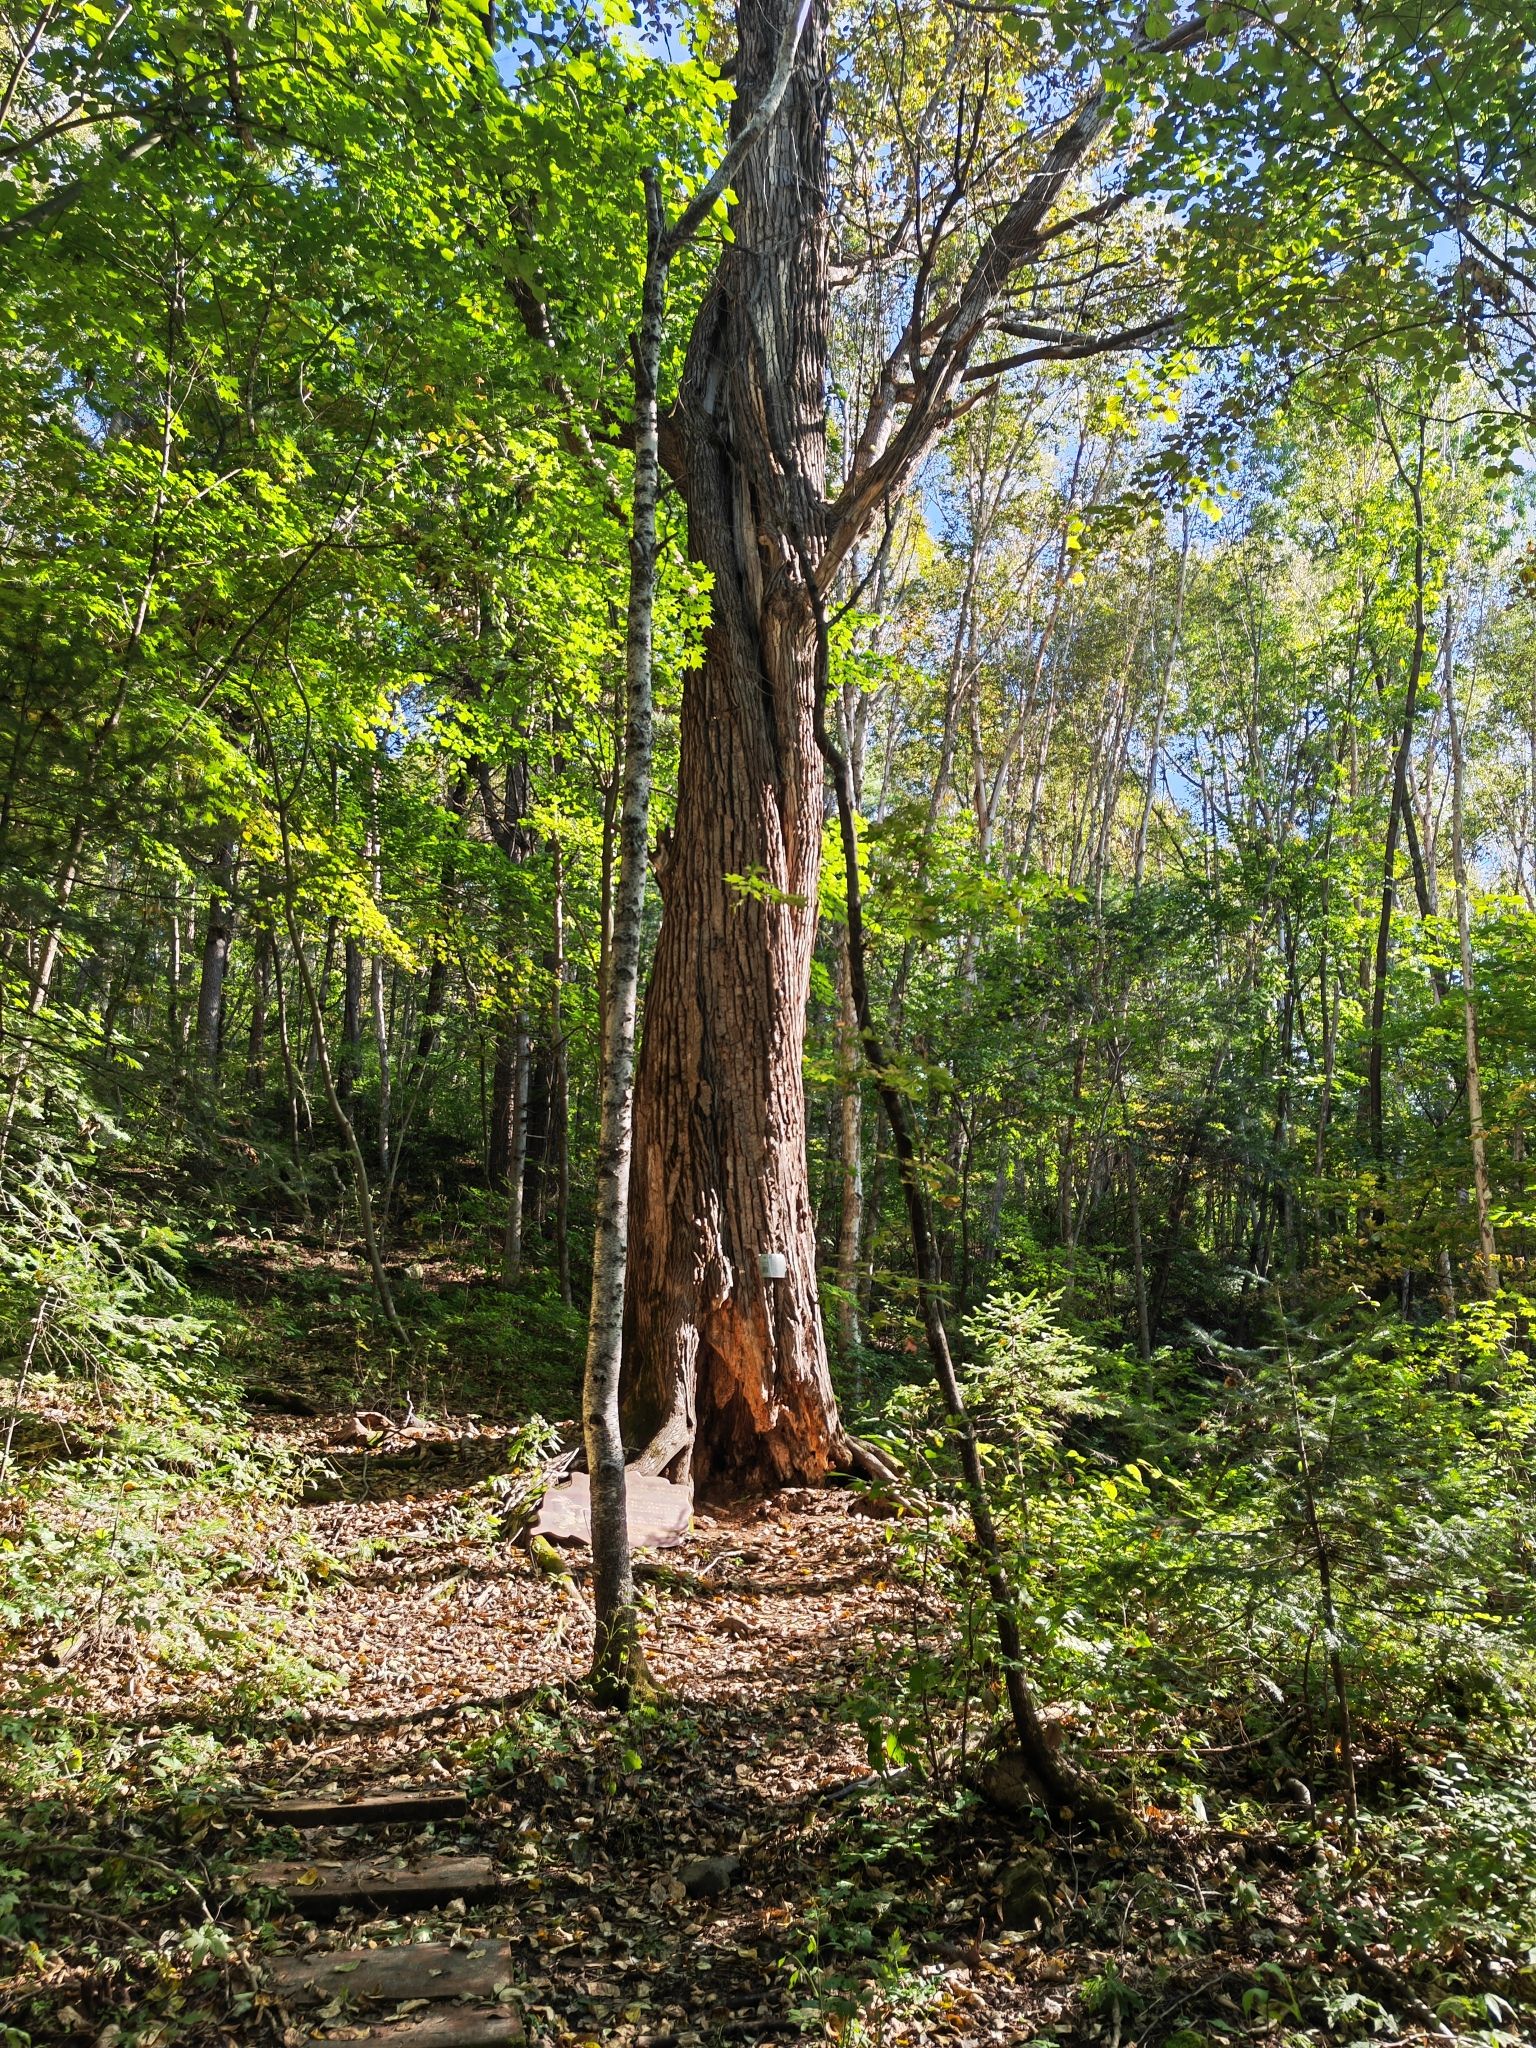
[{"x": 863, "y": 1909}]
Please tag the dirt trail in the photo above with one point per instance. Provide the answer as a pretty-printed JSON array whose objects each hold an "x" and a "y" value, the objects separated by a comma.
[
  {"x": 455, "y": 1662},
  {"x": 428, "y": 1614}
]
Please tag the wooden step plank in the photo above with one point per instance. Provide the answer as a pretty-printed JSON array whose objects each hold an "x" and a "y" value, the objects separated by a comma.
[
  {"x": 364, "y": 1809},
  {"x": 410, "y": 1970},
  {"x": 454, "y": 2030},
  {"x": 469, "y": 2029},
  {"x": 325, "y": 1887}
]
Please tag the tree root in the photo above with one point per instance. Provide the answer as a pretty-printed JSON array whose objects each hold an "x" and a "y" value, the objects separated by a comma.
[{"x": 873, "y": 1462}]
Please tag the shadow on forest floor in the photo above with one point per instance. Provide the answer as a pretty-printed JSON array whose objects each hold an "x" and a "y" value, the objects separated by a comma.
[{"x": 447, "y": 1654}]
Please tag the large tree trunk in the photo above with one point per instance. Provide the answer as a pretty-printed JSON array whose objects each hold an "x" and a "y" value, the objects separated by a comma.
[{"x": 726, "y": 1370}]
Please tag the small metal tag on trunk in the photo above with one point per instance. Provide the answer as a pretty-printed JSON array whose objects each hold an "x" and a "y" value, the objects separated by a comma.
[{"x": 772, "y": 1265}]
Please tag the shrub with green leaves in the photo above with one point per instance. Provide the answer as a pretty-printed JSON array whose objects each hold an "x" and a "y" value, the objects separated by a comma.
[
  {"x": 135, "y": 1515},
  {"x": 1169, "y": 1554}
]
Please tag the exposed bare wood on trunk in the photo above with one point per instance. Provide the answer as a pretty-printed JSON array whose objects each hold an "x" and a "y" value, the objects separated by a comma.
[{"x": 726, "y": 1371}]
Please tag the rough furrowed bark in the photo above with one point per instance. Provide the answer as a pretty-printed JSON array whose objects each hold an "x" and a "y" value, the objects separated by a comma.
[
  {"x": 619, "y": 1663},
  {"x": 726, "y": 1369}
]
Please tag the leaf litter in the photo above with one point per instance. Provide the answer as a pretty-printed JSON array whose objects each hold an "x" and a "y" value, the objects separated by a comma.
[{"x": 852, "y": 1908}]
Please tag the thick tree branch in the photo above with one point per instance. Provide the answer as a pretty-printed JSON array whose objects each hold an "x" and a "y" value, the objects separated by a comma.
[
  {"x": 1024, "y": 229},
  {"x": 1060, "y": 347}
]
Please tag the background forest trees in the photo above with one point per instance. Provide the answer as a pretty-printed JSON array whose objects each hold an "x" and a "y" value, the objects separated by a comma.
[
  {"x": 314, "y": 657},
  {"x": 1178, "y": 579}
]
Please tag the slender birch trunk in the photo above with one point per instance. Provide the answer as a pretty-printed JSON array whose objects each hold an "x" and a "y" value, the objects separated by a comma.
[
  {"x": 618, "y": 1662},
  {"x": 617, "y": 1659}
]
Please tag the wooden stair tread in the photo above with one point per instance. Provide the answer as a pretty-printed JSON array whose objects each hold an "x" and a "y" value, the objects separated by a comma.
[
  {"x": 365, "y": 1809},
  {"x": 409, "y": 1970},
  {"x": 468, "y": 2029},
  {"x": 330, "y": 1885}
]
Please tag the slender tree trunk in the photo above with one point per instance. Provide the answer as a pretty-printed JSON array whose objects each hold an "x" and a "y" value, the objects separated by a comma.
[
  {"x": 350, "y": 1063},
  {"x": 851, "y": 1126},
  {"x": 1063, "y": 1789},
  {"x": 256, "y": 1041},
  {"x": 617, "y": 1659},
  {"x": 293, "y": 1092},
  {"x": 175, "y": 1020},
  {"x": 504, "y": 1105},
  {"x": 123, "y": 984},
  {"x": 1138, "y": 1259},
  {"x": 376, "y": 973},
  {"x": 348, "y": 1131},
  {"x": 1488, "y": 1257},
  {"x": 726, "y": 1369},
  {"x": 381, "y": 1046},
  {"x": 1324, "y": 1561},
  {"x": 560, "y": 1089},
  {"x": 536, "y": 1135},
  {"x": 311, "y": 1058},
  {"x": 1330, "y": 1010},
  {"x": 215, "y": 964},
  {"x": 517, "y": 1152},
  {"x": 606, "y": 871},
  {"x": 1400, "y": 809},
  {"x": 432, "y": 1007},
  {"x": 1154, "y": 749}
]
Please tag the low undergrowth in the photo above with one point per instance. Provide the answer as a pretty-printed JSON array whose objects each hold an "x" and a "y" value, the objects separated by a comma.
[{"x": 1282, "y": 1609}]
